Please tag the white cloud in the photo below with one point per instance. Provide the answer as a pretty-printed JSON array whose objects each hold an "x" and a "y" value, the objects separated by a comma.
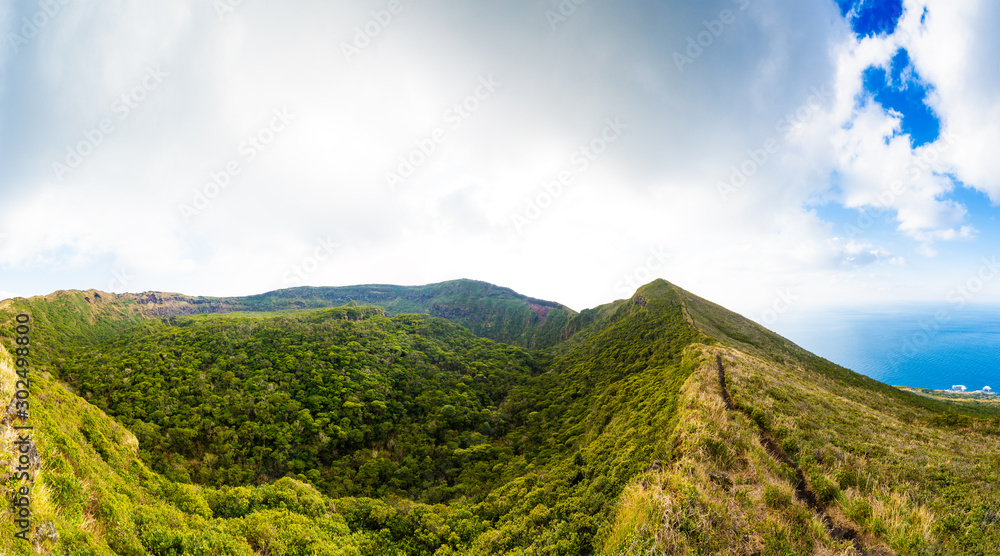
[
  {"x": 76, "y": 228},
  {"x": 873, "y": 163},
  {"x": 880, "y": 169},
  {"x": 655, "y": 188},
  {"x": 956, "y": 52}
]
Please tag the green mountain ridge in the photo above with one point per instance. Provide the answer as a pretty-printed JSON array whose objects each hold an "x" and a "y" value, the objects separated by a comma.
[
  {"x": 492, "y": 423},
  {"x": 490, "y": 311}
]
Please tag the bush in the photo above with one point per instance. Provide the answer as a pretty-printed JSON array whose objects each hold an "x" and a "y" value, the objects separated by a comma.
[
  {"x": 776, "y": 497},
  {"x": 951, "y": 420},
  {"x": 160, "y": 529},
  {"x": 846, "y": 478},
  {"x": 859, "y": 510},
  {"x": 216, "y": 541},
  {"x": 292, "y": 495},
  {"x": 230, "y": 501},
  {"x": 187, "y": 498},
  {"x": 760, "y": 417},
  {"x": 790, "y": 445},
  {"x": 825, "y": 489}
]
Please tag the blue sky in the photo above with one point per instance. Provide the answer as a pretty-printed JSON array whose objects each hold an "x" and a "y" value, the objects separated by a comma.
[
  {"x": 899, "y": 88},
  {"x": 756, "y": 152},
  {"x": 869, "y": 18}
]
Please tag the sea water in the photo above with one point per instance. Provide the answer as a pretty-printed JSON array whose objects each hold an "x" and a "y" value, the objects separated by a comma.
[{"x": 933, "y": 347}]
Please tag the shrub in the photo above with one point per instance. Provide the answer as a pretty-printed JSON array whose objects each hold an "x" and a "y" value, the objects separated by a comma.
[
  {"x": 825, "y": 489},
  {"x": 230, "y": 502},
  {"x": 846, "y": 478},
  {"x": 776, "y": 497},
  {"x": 187, "y": 498},
  {"x": 859, "y": 510}
]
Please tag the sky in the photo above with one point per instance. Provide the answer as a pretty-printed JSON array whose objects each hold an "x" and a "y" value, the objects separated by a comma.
[{"x": 769, "y": 155}]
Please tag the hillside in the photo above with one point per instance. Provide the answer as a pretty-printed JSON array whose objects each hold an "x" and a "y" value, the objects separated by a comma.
[
  {"x": 907, "y": 474},
  {"x": 72, "y": 318},
  {"x": 658, "y": 424}
]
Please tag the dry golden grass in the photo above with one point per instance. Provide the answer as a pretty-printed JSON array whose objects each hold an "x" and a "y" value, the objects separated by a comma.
[
  {"x": 719, "y": 493},
  {"x": 883, "y": 463}
]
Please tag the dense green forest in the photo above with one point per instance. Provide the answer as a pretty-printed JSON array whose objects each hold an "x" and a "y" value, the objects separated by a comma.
[
  {"x": 364, "y": 429},
  {"x": 413, "y": 407},
  {"x": 356, "y": 403},
  {"x": 383, "y": 415}
]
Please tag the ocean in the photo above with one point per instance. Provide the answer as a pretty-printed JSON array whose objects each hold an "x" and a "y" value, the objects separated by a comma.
[{"x": 922, "y": 346}]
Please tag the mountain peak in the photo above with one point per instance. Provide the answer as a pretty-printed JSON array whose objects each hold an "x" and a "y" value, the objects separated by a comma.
[{"x": 340, "y": 412}]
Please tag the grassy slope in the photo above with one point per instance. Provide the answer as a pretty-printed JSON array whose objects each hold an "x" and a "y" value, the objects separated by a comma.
[
  {"x": 64, "y": 320},
  {"x": 915, "y": 475},
  {"x": 623, "y": 447},
  {"x": 745, "y": 335},
  {"x": 717, "y": 491},
  {"x": 595, "y": 420}
]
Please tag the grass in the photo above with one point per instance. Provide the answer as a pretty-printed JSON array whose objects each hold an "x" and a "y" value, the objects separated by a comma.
[
  {"x": 891, "y": 467},
  {"x": 968, "y": 398},
  {"x": 719, "y": 492},
  {"x": 620, "y": 444},
  {"x": 915, "y": 475}
]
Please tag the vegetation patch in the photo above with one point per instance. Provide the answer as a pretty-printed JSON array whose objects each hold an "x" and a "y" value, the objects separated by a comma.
[{"x": 494, "y": 424}]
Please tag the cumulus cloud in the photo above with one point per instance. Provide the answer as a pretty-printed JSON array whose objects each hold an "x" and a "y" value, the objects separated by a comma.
[
  {"x": 952, "y": 50},
  {"x": 522, "y": 183},
  {"x": 873, "y": 164}
]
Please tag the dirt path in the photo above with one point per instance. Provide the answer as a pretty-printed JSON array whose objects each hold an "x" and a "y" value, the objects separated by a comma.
[{"x": 802, "y": 491}]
